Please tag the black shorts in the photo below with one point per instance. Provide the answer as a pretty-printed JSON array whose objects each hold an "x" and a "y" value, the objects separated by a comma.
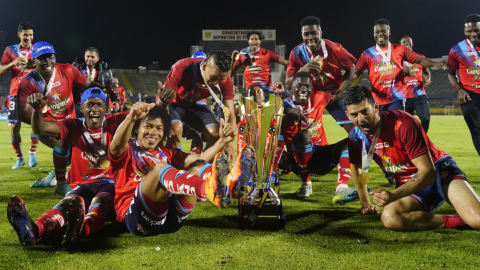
[
  {"x": 337, "y": 110},
  {"x": 89, "y": 191},
  {"x": 197, "y": 116},
  {"x": 12, "y": 110},
  {"x": 321, "y": 163}
]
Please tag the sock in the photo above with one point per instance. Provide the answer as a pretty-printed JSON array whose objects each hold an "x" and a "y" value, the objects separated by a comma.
[
  {"x": 183, "y": 206},
  {"x": 154, "y": 208},
  {"x": 344, "y": 172},
  {"x": 196, "y": 147},
  {"x": 60, "y": 161},
  {"x": 302, "y": 154},
  {"x": 182, "y": 182},
  {"x": 453, "y": 221},
  {"x": 33, "y": 143},
  {"x": 94, "y": 219},
  {"x": 51, "y": 221},
  {"x": 17, "y": 146}
]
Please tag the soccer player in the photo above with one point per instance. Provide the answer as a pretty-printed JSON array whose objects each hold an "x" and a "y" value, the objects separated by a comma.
[
  {"x": 192, "y": 80},
  {"x": 331, "y": 66},
  {"x": 308, "y": 151},
  {"x": 464, "y": 57},
  {"x": 18, "y": 60},
  {"x": 157, "y": 187},
  {"x": 122, "y": 97},
  {"x": 55, "y": 82},
  {"x": 385, "y": 71},
  {"x": 95, "y": 70},
  {"x": 256, "y": 62},
  {"x": 425, "y": 175},
  {"x": 91, "y": 174},
  {"x": 416, "y": 98}
]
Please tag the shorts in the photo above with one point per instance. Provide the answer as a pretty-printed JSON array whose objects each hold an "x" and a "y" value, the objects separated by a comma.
[
  {"x": 140, "y": 220},
  {"x": 197, "y": 116},
  {"x": 12, "y": 110},
  {"x": 89, "y": 191},
  {"x": 396, "y": 105},
  {"x": 337, "y": 110},
  {"x": 434, "y": 195},
  {"x": 58, "y": 146},
  {"x": 320, "y": 163}
]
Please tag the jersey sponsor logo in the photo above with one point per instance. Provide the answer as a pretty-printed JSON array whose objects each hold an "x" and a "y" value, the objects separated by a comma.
[
  {"x": 59, "y": 104},
  {"x": 137, "y": 178},
  {"x": 383, "y": 68},
  {"x": 411, "y": 82},
  {"x": 382, "y": 145},
  {"x": 96, "y": 135},
  {"x": 55, "y": 84},
  {"x": 153, "y": 222}
]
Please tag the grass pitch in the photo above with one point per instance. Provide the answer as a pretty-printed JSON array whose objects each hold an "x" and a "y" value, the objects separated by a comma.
[{"x": 318, "y": 234}]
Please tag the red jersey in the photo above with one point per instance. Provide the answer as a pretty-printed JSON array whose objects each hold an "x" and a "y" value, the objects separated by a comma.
[
  {"x": 256, "y": 68},
  {"x": 401, "y": 140},
  {"x": 9, "y": 55},
  {"x": 60, "y": 97},
  {"x": 185, "y": 79},
  {"x": 388, "y": 84},
  {"x": 133, "y": 166},
  {"x": 85, "y": 168},
  {"x": 333, "y": 67},
  {"x": 414, "y": 80},
  {"x": 313, "y": 111},
  {"x": 121, "y": 92},
  {"x": 462, "y": 57}
]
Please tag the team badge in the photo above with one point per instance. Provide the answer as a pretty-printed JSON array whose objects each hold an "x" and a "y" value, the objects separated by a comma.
[
  {"x": 56, "y": 96},
  {"x": 86, "y": 176},
  {"x": 476, "y": 63}
]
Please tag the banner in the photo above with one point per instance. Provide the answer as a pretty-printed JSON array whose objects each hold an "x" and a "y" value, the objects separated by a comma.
[{"x": 235, "y": 34}]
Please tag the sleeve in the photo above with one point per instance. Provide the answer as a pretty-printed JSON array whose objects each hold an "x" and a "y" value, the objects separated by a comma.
[
  {"x": 25, "y": 89},
  {"x": 67, "y": 128},
  {"x": 293, "y": 67},
  {"x": 226, "y": 87},
  {"x": 78, "y": 79},
  {"x": 354, "y": 152},
  {"x": 177, "y": 158},
  {"x": 411, "y": 136},
  {"x": 122, "y": 161},
  {"x": 409, "y": 55},
  {"x": 6, "y": 58},
  {"x": 175, "y": 76},
  {"x": 344, "y": 58},
  {"x": 274, "y": 57},
  {"x": 453, "y": 62},
  {"x": 362, "y": 64}
]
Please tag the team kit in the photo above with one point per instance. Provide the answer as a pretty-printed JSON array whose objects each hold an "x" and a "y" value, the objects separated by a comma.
[{"x": 112, "y": 162}]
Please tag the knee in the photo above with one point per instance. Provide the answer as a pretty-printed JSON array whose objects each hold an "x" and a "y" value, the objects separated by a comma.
[
  {"x": 474, "y": 222},
  {"x": 302, "y": 138},
  {"x": 178, "y": 129},
  {"x": 159, "y": 166},
  {"x": 392, "y": 220},
  {"x": 213, "y": 132}
]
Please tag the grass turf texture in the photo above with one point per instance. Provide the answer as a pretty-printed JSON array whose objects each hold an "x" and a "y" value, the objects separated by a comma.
[{"x": 318, "y": 234}]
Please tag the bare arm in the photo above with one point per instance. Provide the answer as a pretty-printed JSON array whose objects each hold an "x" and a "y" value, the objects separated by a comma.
[
  {"x": 367, "y": 207},
  {"x": 283, "y": 62},
  {"x": 24, "y": 111},
  {"x": 39, "y": 125},
  {"x": 4, "y": 69},
  {"x": 462, "y": 95},
  {"x": 429, "y": 63},
  {"x": 234, "y": 69}
]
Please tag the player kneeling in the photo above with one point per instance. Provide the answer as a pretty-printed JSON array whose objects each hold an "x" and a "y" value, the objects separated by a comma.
[
  {"x": 157, "y": 187},
  {"x": 425, "y": 175}
]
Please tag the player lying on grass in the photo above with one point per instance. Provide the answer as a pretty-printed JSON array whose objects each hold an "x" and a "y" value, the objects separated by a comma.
[
  {"x": 157, "y": 187},
  {"x": 91, "y": 175},
  {"x": 425, "y": 175},
  {"x": 308, "y": 151}
]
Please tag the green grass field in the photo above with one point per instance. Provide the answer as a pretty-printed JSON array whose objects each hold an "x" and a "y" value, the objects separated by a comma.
[{"x": 318, "y": 234}]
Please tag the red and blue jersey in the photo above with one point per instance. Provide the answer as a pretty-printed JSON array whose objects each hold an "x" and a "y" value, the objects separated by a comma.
[
  {"x": 462, "y": 58},
  {"x": 388, "y": 82},
  {"x": 85, "y": 168},
  {"x": 256, "y": 68},
  {"x": 185, "y": 79},
  {"x": 333, "y": 67},
  {"x": 133, "y": 166},
  {"x": 414, "y": 80},
  {"x": 402, "y": 139},
  {"x": 9, "y": 55}
]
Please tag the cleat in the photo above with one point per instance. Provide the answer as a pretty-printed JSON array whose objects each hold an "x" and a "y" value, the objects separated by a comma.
[
  {"x": 75, "y": 218},
  {"x": 19, "y": 163},
  {"x": 346, "y": 195},
  {"x": 305, "y": 190},
  {"x": 243, "y": 174},
  {"x": 48, "y": 181},
  {"x": 32, "y": 160},
  {"x": 216, "y": 185},
  {"x": 21, "y": 221},
  {"x": 63, "y": 189}
]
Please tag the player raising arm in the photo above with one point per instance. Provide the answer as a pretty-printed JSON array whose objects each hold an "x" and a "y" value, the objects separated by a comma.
[{"x": 156, "y": 186}]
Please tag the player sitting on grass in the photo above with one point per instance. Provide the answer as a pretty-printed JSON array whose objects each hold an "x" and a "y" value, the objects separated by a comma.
[
  {"x": 157, "y": 187},
  {"x": 91, "y": 176},
  {"x": 425, "y": 175},
  {"x": 308, "y": 151}
]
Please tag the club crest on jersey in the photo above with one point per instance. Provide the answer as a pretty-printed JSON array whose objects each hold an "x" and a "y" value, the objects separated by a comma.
[
  {"x": 86, "y": 176},
  {"x": 381, "y": 82},
  {"x": 476, "y": 63},
  {"x": 56, "y": 96}
]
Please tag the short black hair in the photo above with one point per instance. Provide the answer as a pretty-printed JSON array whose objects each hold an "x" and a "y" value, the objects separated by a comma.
[
  {"x": 92, "y": 49},
  {"x": 382, "y": 21},
  {"x": 249, "y": 90},
  {"x": 156, "y": 112},
  {"x": 301, "y": 74},
  {"x": 357, "y": 94},
  {"x": 255, "y": 32},
  {"x": 222, "y": 60},
  {"x": 310, "y": 20},
  {"x": 25, "y": 26},
  {"x": 472, "y": 18}
]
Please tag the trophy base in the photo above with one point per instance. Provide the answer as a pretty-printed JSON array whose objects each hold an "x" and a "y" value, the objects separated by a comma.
[{"x": 269, "y": 216}]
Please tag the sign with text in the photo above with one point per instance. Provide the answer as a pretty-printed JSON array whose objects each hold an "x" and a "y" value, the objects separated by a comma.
[{"x": 235, "y": 35}]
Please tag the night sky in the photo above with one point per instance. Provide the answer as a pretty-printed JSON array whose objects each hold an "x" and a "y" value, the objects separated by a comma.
[{"x": 133, "y": 33}]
